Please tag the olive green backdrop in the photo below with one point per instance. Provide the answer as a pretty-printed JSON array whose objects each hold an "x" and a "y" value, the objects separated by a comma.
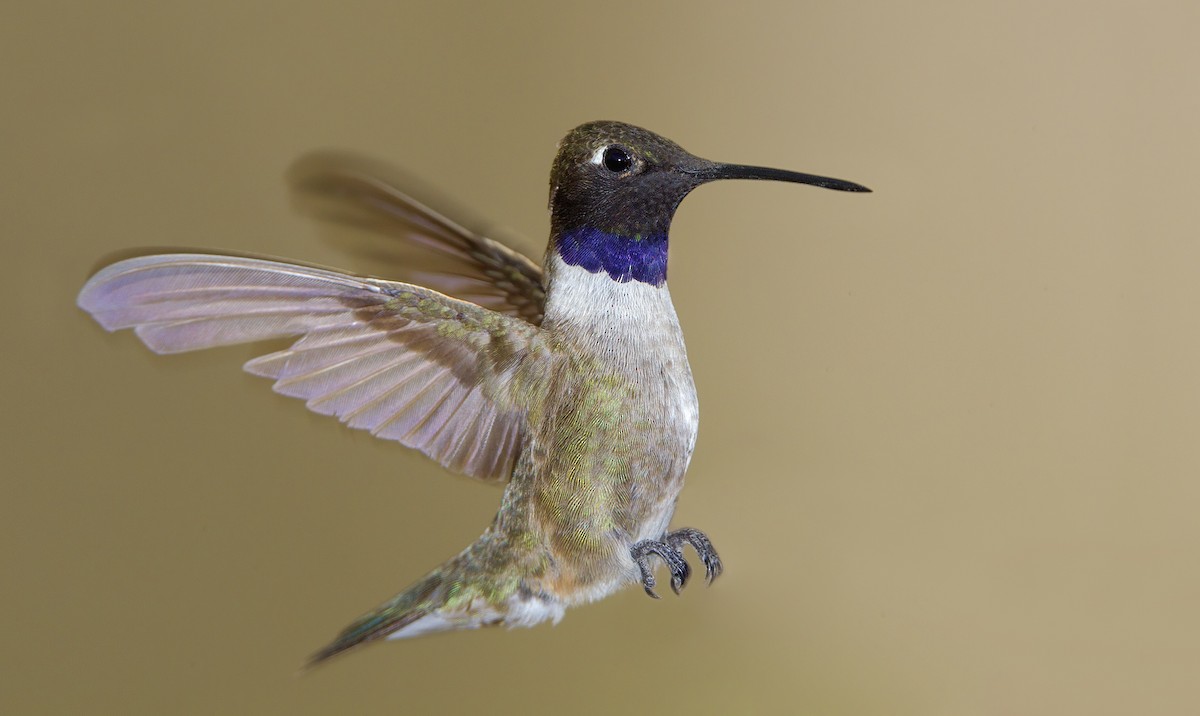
[{"x": 950, "y": 446}]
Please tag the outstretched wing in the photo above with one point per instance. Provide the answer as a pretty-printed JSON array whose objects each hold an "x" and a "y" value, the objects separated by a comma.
[
  {"x": 353, "y": 190},
  {"x": 407, "y": 363}
]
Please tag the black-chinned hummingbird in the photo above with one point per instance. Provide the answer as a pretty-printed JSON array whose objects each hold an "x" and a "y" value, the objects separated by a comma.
[{"x": 568, "y": 382}]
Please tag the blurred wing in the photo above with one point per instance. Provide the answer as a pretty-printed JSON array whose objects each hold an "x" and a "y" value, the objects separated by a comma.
[
  {"x": 404, "y": 362},
  {"x": 353, "y": 190}
]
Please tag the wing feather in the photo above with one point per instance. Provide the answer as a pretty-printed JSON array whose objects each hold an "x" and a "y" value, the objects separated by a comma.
[
  {"x": 353, "y": 190},
  {"x": 404, "y": 362}
]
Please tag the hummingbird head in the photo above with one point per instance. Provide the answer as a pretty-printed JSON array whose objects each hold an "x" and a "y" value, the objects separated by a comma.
[{"x": 614, "y": 189}]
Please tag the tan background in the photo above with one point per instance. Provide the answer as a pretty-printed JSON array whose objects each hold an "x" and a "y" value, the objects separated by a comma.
[{"x": 950, "y": 430}]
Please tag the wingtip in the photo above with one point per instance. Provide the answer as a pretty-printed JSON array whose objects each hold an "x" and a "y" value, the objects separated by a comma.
[
  {"x": 94, "y": 296},
  {"x": 98, "y": 296}
]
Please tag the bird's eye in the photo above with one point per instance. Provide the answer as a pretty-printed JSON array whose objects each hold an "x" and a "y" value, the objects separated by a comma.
[{"x": 617, "y": 159}]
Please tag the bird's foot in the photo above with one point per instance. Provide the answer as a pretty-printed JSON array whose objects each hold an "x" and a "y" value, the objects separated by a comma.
[
  {"x": 671, "y": 555},
  {"x": 670, "y": 550},
  {"x": 699, "y": 542}
]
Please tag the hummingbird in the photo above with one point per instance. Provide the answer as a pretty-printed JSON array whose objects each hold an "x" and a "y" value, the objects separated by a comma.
[{"x": 567, "y": 382}]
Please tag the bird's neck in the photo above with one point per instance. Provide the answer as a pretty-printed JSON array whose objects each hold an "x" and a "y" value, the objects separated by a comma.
[
  {"x": 621, "y": 256},
  {"x": 590, "y": 307}
]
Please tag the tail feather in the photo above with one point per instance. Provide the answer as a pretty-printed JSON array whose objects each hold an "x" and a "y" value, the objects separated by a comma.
[
  {"x": 405, "y": 609},
  {"x": 460, "y": 594}
]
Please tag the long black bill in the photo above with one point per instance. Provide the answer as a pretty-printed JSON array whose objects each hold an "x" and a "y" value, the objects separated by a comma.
[{"x": 741, "y": 171}]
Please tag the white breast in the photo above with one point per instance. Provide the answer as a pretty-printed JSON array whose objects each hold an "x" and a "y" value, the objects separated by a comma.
[{"x": 633, "y": 327}]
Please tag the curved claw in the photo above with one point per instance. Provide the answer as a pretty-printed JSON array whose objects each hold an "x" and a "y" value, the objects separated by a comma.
[
  {"x": 680, "y": 573},
  {"x": 648, "y": 581}
]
